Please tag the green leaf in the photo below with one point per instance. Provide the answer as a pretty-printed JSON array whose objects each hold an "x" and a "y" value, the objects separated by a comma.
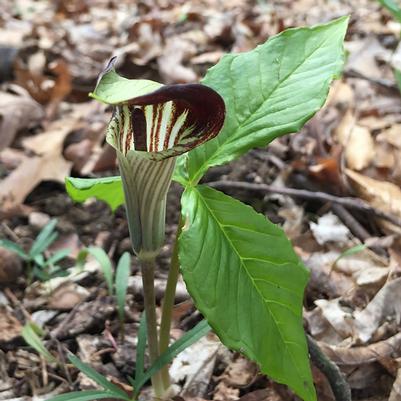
[
  {"x": 113, "y": 88},
  {"x": 122, "y": 274},
  {"x": 248, "y": 282},
  {"x": 13, "y": 247},
  {"x": 350, "y": 251},
  {"x": 101, "y": 256},
  {"x": 393, "y": 7},
  {"x": 180, "y": 174},
  {"x": 270, "y": 91},
  {"x": 107, "y": 189},
  {"x": 30, "y": 334},
  {"x": 45, "y": 238},
  {"x": 85, "y": 396},
  {"x": 189, "y": 338},
  {"x": 57, "y": 256},
  {"x": 397, "y": 76},
  {"x": 98, "y": 378}
]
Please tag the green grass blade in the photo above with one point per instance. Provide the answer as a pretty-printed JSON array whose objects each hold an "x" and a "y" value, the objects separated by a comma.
[
  {"x": 59, "y": 255},
  {"x": 122, "y": 274},
  {"x": 101, "y": 256},
  {"x": 98, "y": 378},
  {"x": 31, "y": 337},
  {"x": 85, "y": 396},
  {"x": 190, "y": 337},
  {"x": 13, "y": 247},
  {"x": 351, "y": 251},
  {"x": 44, "y": 239},
  {"x": 393, "y": 7}
]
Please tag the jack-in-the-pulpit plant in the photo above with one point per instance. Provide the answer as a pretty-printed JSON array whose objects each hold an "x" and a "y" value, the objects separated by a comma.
[
  {"x": 239, "y": 268},
  {"x": 149, "y": 130}
]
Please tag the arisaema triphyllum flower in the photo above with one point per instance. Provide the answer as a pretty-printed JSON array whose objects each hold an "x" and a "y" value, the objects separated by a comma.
[{"x": 151, "y": 125}]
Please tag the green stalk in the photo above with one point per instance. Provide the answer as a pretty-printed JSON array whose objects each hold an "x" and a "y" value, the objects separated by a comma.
[
  {"x": 168, "y": 304},
  {"x": 148, "y": 271}
]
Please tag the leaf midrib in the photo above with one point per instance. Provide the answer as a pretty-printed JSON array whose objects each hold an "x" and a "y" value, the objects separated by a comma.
[{"x": 250, "y": 277}]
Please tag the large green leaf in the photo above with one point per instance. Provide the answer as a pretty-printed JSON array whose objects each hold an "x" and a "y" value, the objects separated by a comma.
[
  {"x": 270, "y": 91},
  {"x": 107, "y": 189},
  {"x": 246, "y": 279}
]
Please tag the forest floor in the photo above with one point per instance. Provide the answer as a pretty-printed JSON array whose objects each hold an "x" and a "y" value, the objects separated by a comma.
[{"x": 50, "y": 56}]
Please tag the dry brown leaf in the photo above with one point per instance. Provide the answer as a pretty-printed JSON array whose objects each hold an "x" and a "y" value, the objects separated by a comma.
[
  {"x": 341, "y": 94},
  {"x": 10, "y": 327},
  {"x": 195, "y": 365},
  {"x": 10, "y": 266},
  {"x": 344, "y": 128},
  {"x": 384, "y": 196},
  {"x": 47, "y": 164},
  {"x": 384, "y": 306},
  {"x": 356, "y": 356},
  {"x": 320, "y": 328},
  {"x": 395, "y": 394},
  {"x": 66, "y": 296},
  {"x": 171, "y": 62},
  {"x": 359, "y": 148},
  {"x": 370, "y": 50},
  {"x": 357, "y": 141},
  {"x": 267, "y": 394},
  {"x": 224, "y": 392},
  {"x": 391, "y": 135},
  {"x": 339, "y": 318},
  {"x": 240, "y": 372},
  {"x": 385, "y": 156},
  {"x": 325, "y": 279},
  {"x": 17, "y": 112}
]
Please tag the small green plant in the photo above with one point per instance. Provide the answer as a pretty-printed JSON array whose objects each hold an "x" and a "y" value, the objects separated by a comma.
[
  {"x": 116, "y": 285},
  {"x": 32, "y": 334},
  {"x": 239, "y": 268},
  {"x": 39, "y": 266}
]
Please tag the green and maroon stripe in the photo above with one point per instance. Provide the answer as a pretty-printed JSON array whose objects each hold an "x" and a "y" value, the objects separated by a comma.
[{"x": 167, "y": 122}]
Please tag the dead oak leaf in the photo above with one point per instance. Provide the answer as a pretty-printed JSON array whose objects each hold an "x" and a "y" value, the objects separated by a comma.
[
  {"x": 384, "y": 196},
  {"x": 16, "y": 112},
  {"x": 48, "y": 163}
]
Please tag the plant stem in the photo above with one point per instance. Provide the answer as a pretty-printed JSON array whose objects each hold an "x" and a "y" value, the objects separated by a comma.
[
  {"x": 338, "y": 384},
  {"x": 148, "y": 272},
  {"x": 168, "y": 304}
]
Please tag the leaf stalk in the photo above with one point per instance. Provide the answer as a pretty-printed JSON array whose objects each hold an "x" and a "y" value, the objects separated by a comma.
[
  {"x": 148, "y": 271},
  {"x": 168, "y": 304}
]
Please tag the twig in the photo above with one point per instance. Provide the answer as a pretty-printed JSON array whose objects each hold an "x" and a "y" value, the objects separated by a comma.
[
  {"x": 16, "y": 302},
  {"x": 10, "y": 232},
  {"x": 338, "y": 384},
  {"x": 385, "y": 83},
  {"x": 356, "y": 228},
  {"x": 352, "y": 203}
]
